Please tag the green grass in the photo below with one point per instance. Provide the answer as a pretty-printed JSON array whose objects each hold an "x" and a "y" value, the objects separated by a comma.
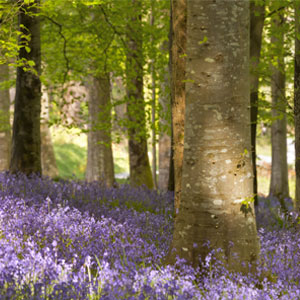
[
  {"x": 71, "y": 160},
  {"x": 70, "y": 148}
]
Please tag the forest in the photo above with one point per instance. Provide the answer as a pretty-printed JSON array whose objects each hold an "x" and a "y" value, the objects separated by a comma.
[{"x": 149, "y": 149}]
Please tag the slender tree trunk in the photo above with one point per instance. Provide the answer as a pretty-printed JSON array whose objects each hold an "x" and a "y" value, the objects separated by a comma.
[
  {"x": 257, "y": 16},
  {"x": 217, "y": 179},
  {"x": 279, "y": 173},
  {"x": 153, "y": 109},
  {"x": 26, "y": 141},
  {"x": 178, "y": 90},
  {"x": 100, "y": 165},
  {"x": 171, "y": 183},
  {"x": 153, "y": 119},
  {"x": 5, "y": 135},
  {"x": 297, "y": 101},
  {"x": 49, "y": 165},
  {"x": 140, "y": 171},
  {"x": 164, "y": 137}
]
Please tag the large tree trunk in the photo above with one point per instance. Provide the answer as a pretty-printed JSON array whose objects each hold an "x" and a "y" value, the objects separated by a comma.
[
  {"x": 178, "y": 90},
  {"x": 217, "y": 179},
  {"x": 26, "y": 141},
  {"x": 279, "y": 173},
  {"x": 139, "y": 166},
  {"x": 49, "y": 165},
  {"x": 297, "y": 101},
  {"x": 5, "y": 135},
  {"x": 100, "y": 166},
  {"x": 257, "y": 16}
]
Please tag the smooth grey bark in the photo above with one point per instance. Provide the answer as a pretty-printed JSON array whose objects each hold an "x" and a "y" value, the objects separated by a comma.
[
  {"x": 297, "y": 101},
  {"x": 26, "y": 140},
  {"x": 100, "y": 166},
  {"x": 139, "y": 166},
  {"x": 217, "y": 179},
  {"x": 5, "y": 128},
  {"x": 279, "y": 170},
  {"x": 257, "y": 16},
  {"x": 49, "y": 165},
  {"x": 178, "y": 77}
]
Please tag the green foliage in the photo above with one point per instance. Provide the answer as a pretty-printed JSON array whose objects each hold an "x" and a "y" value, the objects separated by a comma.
[
  {"x": 88, "y": 38},
  {"x": 279, "y": 22}
]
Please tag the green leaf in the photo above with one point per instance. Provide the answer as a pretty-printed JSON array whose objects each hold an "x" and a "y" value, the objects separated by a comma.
[
  {"x": 27, "y": 49},
  {"x": 203, "y": 41},
  {"x": 188, "y": 80},
  {"x": 31, "y": 63}
]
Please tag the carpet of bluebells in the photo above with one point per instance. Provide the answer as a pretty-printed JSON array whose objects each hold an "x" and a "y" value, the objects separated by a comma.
[{"x": 73, "y": 240}]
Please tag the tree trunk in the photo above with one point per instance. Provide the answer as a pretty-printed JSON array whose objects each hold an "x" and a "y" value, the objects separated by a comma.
[
  {"x": 49, "y": 165},
  {"x": 217, "y": 179},
  {"x": 178, "y": 90},
  {"x": 139, "y": 166},
  {"x": 26, "y": 141},
  {"x": 164, "y": 137},
  {"x": 279, "y": 173},
  {"x": 153, "y": 108},
  {"x": 297, "y": 102},
  {"x": 171, "y": 183},
  {"x": 257, "y": 16},
  {"x": 100, "y": 166},
  {"x": 5, "y": 135}
]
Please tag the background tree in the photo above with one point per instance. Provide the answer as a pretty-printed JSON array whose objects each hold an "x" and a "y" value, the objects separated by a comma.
[
  {"x": 211, "y": 210},
  {"x": 5, "y": 135},
  {"x": 178, "y": 50},
  {"x": 165, "y": 123},
  {"x": 279, "y": 173},
  {"x": 26, "y": 142},
  {"x": 100, "y": 165},
  {"x": 140, "y": 172},
  {"x": 49, "y": 165}
]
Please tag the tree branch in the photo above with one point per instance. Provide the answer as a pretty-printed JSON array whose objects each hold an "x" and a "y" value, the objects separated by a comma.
[{"x": 64, "y": 46}]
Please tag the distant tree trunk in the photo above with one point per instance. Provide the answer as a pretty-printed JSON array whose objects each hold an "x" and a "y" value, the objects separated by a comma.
[
  {"x": 153, "y": 109},
  {"x": 217, "y": 167},
  {"x": 100, "y": 165},
  {"x": 257, "y": 16},
  {"x": 171, "y": 183},
  {"x": 178, "y": 90},
  {"x": 153, "y": 119},
  {"x": 5, "y": 135},
  {"x": 26, "y": 140},
  {"x": 140, "y": 171},
  {"x": 279, "y": 172},
  {"x": 164, "y": 137},
  {"x": 49, "y": 165},
  {"x": 297, "y": 101},
  {"x": 118, "y": 94}
]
